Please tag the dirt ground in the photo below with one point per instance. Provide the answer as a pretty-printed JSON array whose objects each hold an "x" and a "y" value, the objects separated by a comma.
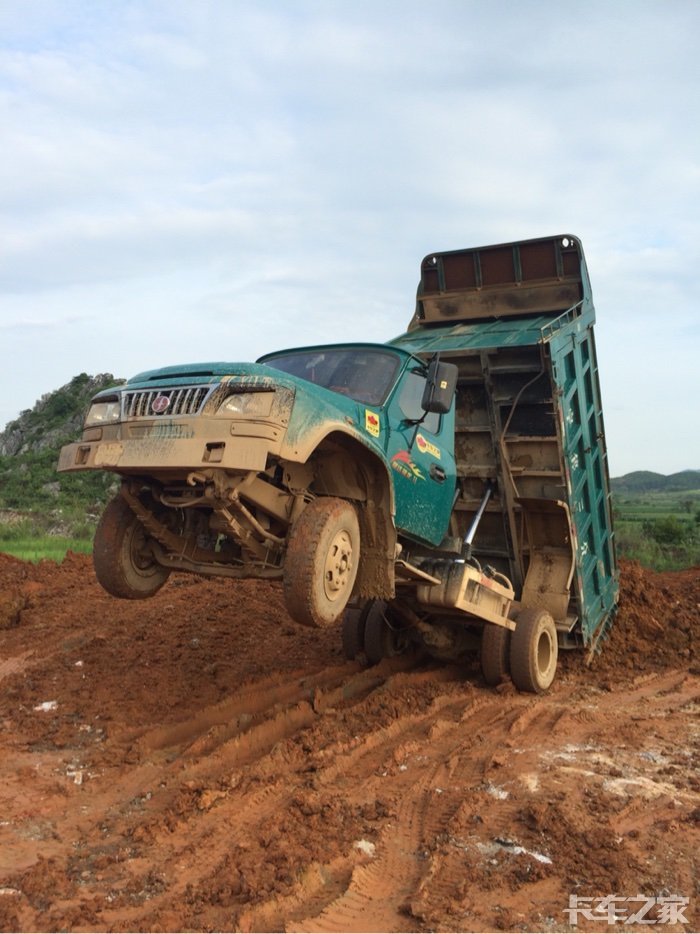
[{"x": 200, "y": 762}]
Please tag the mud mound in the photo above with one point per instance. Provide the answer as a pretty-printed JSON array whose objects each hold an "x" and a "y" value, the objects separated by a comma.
[
  {"x": 198, "y": 761},
  {"x": 657, "y": 624}
]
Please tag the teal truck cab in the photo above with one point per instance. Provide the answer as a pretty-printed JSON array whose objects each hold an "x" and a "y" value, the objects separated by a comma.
[{"x": 447, "y": 489}]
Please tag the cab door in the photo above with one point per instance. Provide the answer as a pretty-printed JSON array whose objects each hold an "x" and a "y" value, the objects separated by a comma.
[{"x": 421, "y": 456}]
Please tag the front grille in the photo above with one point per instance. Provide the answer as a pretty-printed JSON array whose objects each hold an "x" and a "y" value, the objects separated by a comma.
[{"x": 185, "y": 400}]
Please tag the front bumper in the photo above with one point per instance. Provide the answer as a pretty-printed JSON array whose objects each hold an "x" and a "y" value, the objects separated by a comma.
[{"x": 174, "y": 447}]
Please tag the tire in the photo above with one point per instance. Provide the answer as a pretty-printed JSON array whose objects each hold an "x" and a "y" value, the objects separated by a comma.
[
  {"x": 122, "y": 557},
  {"x": 321, "y": 564},
  {"x": 495, "y": 653},
  {"x": 354, "y": 619},
  {"x": 381, "y": 640},
  {"x": 533, "y": 651}
]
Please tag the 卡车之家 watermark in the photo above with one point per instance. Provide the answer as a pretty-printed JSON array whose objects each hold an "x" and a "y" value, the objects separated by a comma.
[{"x": 627, "y": 909}]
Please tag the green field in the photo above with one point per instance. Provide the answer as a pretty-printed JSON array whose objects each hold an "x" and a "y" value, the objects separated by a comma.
[
  {"x": 53, "y": 548},
  {"x": 24, "y": 536},
  {"x": 661, "y": 530}
]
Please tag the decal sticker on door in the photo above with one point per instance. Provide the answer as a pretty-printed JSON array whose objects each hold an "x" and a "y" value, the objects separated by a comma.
[
  {"x": 402, "y": 463},
  {"x": 371, "y": 423},
  {"x": 427, "y": 447}
]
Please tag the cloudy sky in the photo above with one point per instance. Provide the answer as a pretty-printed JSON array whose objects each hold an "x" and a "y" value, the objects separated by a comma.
[{"x": 214, "y": 179}]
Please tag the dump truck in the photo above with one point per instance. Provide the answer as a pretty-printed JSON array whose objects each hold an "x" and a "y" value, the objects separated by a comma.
[{"x": 447, "y": 490}]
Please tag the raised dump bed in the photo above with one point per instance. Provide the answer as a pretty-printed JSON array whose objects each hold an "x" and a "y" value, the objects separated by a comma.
[{"x": 517, "y": 320}]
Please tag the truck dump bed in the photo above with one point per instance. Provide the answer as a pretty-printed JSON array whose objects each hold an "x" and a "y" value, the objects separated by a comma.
[{"x": 517, "y": 319}]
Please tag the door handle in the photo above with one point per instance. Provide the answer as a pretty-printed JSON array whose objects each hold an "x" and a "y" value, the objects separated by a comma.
[{"x": 437, "y": 473}]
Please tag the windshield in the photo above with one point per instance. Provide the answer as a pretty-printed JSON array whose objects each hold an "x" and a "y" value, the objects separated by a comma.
[{"x": 362, "y": 374}]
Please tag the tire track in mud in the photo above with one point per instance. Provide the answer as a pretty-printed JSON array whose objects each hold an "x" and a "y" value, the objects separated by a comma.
[
  {"x": 428, "y": 762},
  {"x": 202, "y": 761},
  {"x": 430, "y": 790},
  {"x": 419, "y": 868},
  {"x": 236, "y": 774},
  {"x": 371, "y": 764},
  {"x": 450, "y": 759},
  {"x": 380, "y": 889},
  {"x": 514, "y": 835},
  {"x": 452, "y": 769},
  {"x": 221, "y": 740},
  {"x": 227, "y": 800}
]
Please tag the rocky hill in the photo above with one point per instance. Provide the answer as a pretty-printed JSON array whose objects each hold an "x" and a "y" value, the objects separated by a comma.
[
  {"x": 56, "y": 417},
  {"x": 29, "y": 448}
]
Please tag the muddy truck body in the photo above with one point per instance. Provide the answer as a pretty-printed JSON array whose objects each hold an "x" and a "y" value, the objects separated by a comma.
[{"x": 448, "y": 489}]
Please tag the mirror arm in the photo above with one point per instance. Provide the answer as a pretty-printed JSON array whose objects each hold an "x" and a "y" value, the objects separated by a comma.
[{"x": 417, "y": 422}]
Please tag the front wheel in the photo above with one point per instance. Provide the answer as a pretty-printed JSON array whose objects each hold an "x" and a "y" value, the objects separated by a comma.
[
  {"x": 533, "y": 651},
  {"x": 122, "y": 555},
  {"x": 321, "y": 563}
]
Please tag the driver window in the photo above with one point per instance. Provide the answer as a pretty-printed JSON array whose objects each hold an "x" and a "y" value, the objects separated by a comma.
[{"x": 410, "y": 402}]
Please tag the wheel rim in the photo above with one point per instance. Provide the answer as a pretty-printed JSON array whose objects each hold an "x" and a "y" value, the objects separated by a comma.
[
  {"x": 140, "y": 552},
  {"x": 544, "y": 655},
  {"x": 338, "y": 565}
]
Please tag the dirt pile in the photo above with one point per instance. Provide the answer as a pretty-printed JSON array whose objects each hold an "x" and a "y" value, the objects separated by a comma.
[
  {"x": 198, "y": 761},
  {"x": 657, "y": 624}
]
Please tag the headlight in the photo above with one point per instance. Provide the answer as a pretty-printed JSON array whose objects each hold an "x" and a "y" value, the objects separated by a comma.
[
  {"x": 247, "y": 404},
  {"x": 101, "y": 413}
]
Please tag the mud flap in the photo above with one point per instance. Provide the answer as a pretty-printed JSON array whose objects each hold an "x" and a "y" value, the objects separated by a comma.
[{"x": 551, "y": 552}]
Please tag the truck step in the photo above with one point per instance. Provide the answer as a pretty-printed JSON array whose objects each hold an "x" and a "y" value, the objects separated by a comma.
[{"x": 411, "y": 573}]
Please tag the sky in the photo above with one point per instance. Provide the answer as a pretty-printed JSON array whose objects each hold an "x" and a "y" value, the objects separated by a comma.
[{"x": 216, "y": 179}]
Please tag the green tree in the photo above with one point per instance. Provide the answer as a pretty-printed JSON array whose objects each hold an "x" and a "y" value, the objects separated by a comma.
[{"x": 668, "y": 530}]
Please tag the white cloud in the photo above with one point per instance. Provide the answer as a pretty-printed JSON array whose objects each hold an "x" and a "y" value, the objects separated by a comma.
[{"x": 179, "y": 176}]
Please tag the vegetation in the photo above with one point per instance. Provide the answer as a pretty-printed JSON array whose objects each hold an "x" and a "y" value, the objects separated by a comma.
[
  {"x": 659, "y": 527},
  {"x": 43, "y": 514},
  {"x": 23, "y": 540}
]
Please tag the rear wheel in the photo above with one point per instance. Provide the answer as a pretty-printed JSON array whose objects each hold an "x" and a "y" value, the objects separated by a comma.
[
  {"x": 354, "y": 631},
  {"x": 533, "y": 651},
  {"x": 495, "y": 652},
  {"x": 382, "y": 638},
  {"x": 122, "y": 555},
  {"x": 321, "y": 562}
]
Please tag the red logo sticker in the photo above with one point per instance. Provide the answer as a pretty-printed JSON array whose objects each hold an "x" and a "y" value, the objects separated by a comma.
[
  {"x": 372, "y": 423},
  {"x": 160, "y": 404}
]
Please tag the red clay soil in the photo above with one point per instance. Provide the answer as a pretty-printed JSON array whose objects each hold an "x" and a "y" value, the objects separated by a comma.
[{"x": 200, "y": 762}]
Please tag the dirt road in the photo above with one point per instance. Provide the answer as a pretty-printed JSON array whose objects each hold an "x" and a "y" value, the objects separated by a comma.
[{"x": 200, "y": 762}]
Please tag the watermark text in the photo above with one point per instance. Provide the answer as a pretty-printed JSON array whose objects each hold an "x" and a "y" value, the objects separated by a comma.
[{"x": 627, "y": 909}]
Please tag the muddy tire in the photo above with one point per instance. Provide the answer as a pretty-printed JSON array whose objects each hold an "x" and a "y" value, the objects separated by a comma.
[
  {"x": 321, "y": 562},
  {"x": 533, "y": 651},
  {"x": 495, "y": 653},
  {"x": 382, "y": 639},
  {"x": 122, "y": 556},
  {"x": 354, "y": 619}
]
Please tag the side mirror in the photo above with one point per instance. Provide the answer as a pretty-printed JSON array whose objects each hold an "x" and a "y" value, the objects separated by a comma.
[{"x": 440, "y": 387}]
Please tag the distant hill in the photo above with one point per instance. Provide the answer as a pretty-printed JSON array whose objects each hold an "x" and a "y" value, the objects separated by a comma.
[
  {"x": 56, "y": 418},
  {"x": 29, "y": 448},
  {"x": 646, "y": 481}
]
